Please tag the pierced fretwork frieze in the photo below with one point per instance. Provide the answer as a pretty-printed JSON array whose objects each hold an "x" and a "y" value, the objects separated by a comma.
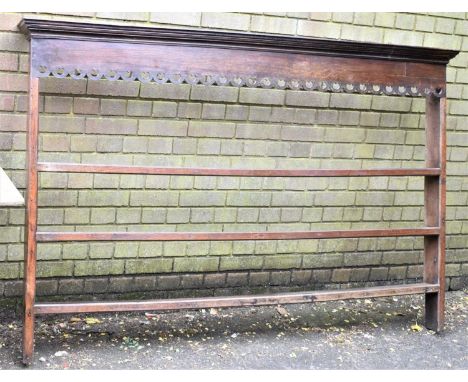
[{"x": 163, "y": 77}]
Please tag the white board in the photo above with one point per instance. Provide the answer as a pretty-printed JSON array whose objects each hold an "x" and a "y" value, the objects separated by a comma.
[{"x": 9, "y": 194}]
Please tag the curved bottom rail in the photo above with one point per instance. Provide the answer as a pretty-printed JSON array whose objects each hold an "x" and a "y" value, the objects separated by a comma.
[{"x": 234, "y": 301}]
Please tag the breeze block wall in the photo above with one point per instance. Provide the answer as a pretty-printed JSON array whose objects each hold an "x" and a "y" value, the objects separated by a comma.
[{"x": 183, "y": 125}]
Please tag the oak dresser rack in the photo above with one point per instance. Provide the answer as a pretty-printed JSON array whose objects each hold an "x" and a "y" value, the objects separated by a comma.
[{"x": 129, "y": 53}]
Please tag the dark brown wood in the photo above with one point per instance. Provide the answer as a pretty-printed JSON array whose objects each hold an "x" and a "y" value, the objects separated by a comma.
[
  {"x": 40, "y": 28},
  {"x": 121, "y": 169},
  {"x": 104, "y": 57},
  {"x": 234, "y": 301},
  {"x": 29, "y": 286},
  {"x": 434, "y": 201},
  {"x": 113, "y": 52},
  {"x": 60, "y": 48},
  {"x": 234, "y": 236}
]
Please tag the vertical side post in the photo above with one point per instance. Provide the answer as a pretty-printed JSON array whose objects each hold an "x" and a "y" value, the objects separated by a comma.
[
  {"x": 31, "y": 219},
  {"x": 434, "y": 203}
]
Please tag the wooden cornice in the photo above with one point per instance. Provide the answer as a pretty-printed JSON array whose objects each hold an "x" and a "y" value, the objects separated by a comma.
[{"x": 41, "y": 28}]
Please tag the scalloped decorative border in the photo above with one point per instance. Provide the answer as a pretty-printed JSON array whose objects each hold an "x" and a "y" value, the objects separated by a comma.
[{"x": 161, "y": 77}]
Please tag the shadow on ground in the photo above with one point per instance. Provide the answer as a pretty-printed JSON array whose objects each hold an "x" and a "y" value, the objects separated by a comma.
[{"x": 385, "y": 333}]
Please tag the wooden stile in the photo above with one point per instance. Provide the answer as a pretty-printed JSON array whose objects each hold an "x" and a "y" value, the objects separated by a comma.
[
  {"x": 434, "y": 202},
  {"x": 31, "y": 221}
]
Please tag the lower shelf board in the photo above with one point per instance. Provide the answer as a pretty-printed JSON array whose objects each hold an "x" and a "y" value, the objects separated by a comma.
[{"x": 234, "y": 301}]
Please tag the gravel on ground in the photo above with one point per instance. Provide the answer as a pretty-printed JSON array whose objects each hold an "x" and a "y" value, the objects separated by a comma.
[{"x": 384, "y": 333}]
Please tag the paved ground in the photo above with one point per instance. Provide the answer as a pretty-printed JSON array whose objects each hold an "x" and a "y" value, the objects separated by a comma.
[{"x": 383, "y": 333}]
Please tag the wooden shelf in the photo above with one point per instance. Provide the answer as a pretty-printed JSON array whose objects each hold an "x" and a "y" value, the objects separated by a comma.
[
  {"x": 233, "y": 301},
  {"x": 234, "y": 236},
  {"x": 196, "y": 57},
  {"x": 155, "y": 170}
]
